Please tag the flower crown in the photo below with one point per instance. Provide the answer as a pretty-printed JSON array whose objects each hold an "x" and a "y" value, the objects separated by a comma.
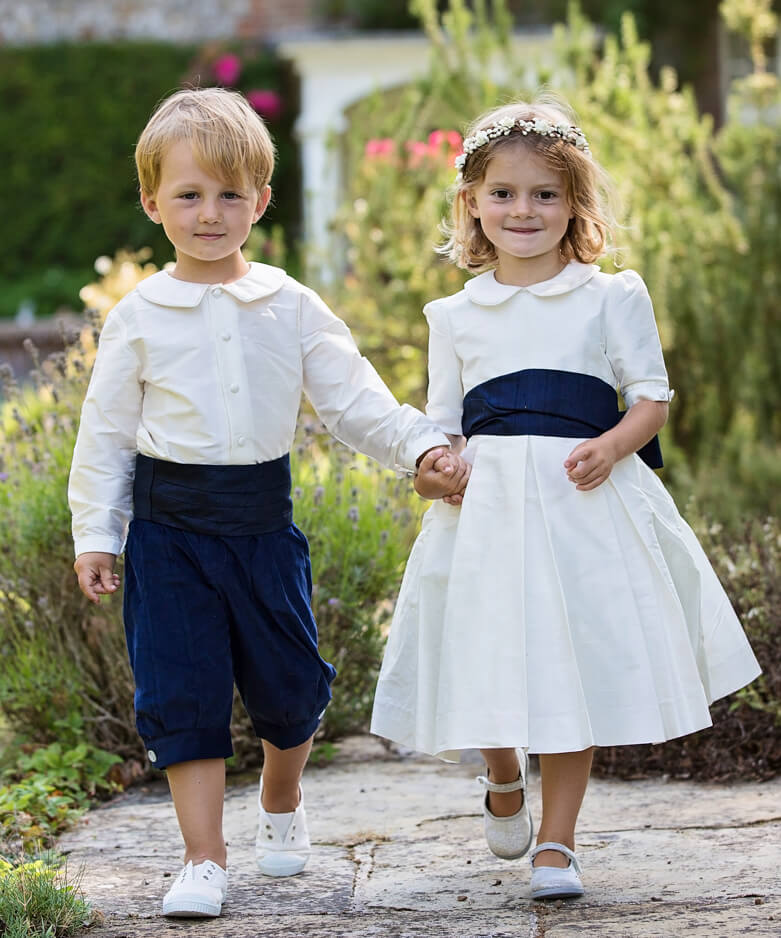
[{"x": 506, "y": 125}]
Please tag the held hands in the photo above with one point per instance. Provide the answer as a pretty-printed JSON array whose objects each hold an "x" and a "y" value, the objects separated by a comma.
[
  {"x": 590, "y": 463},
  {"x": 96, "y": 575},
  {"x": 442, "y": 474}
]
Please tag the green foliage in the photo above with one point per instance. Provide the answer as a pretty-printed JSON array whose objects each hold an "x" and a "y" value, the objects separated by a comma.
[
  {"x": 38, "y": 900},
  {"x": 699, "y": 213},
  {"x": 70, "y": 117},
  {"x": 745, "y": 739}
]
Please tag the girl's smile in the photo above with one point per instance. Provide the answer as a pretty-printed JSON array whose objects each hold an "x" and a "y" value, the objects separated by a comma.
[{"x": 524, "y": 212}]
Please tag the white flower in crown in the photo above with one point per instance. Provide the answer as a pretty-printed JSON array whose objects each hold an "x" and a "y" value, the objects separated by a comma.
[{"x": 543, "y": 127}]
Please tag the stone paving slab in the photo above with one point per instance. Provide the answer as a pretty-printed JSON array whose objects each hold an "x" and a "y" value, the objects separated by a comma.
[{"x": 399, "y": 851}]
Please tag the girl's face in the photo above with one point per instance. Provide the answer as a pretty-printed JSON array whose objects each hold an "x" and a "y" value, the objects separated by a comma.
[{"x": 524, "y": 212}]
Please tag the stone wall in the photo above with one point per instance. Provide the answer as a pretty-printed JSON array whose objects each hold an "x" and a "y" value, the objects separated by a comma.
[{"x": 42, "y": 21}]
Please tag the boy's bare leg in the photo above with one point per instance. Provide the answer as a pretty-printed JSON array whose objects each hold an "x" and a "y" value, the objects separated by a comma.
[
  {"x": 198, "y": 790},
  {"x": 282, "y": 771},
  {"x": 503, "y": 766},
  {"x": 564, "y": 780}
]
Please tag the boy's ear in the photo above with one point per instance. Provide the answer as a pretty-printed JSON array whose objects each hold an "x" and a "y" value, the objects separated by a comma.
[
  {"x": 263, "y": 200},
  {"x": 149, "y": 204}
]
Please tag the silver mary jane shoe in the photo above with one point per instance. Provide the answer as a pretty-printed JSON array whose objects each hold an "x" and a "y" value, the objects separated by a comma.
[
  {"x": 508, "y": 837},
  {"x": 553, "y": 882}
]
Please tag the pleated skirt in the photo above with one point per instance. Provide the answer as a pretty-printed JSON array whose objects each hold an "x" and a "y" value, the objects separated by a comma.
[{"x": 538, "y": 616}]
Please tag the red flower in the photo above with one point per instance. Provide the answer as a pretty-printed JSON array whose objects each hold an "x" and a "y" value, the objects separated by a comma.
[
  {"x": 267, "y": 103},
  {"x": 227, "y": 69}
]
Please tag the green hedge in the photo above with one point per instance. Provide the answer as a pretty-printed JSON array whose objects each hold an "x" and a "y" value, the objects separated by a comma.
[{"x": 70, "y": 114}]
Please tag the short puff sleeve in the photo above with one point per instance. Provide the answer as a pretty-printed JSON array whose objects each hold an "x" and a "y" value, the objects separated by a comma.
[
  {"x": 632, "y": 343},
  {"x": 445, "y": 390}
]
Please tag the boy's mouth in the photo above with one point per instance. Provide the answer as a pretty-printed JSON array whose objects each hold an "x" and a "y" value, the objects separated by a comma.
[{"x": 209, "y": 236}]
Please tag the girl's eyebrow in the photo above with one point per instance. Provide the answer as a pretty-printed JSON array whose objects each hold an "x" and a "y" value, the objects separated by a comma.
[{"x": 498, "y": 184}]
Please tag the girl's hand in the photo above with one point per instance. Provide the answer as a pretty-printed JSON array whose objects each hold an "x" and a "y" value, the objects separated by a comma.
[
  {"x": 95, "y": 571},
  {"x": 442, "y": 474},
  {"x": 590, "y": 463}
]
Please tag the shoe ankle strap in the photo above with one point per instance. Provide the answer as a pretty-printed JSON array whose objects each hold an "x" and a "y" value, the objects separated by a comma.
[
  {"x": 499, "y": 787},
  {"x": 560, "y": 848}
]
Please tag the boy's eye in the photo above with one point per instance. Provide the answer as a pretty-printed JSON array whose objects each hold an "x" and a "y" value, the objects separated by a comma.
[
  {"x": 189, "y": 196},
  {"x": 230, "y": 196}
]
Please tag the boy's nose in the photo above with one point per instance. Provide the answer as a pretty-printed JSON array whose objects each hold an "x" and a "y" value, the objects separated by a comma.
[{"x": 210, "y": 212}]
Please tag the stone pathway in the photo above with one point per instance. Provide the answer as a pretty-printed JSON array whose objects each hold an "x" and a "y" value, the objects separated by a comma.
[{"x": 399, "y": 853}]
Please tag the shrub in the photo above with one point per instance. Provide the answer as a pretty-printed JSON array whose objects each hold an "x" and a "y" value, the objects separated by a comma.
[
  {"x": 66, "y": 145},
  {"x": 745, "y": 740},
  {"x": 699, "y": 225}
]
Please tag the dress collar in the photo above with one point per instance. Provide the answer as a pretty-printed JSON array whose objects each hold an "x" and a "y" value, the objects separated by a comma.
[
  {"x": 260, "y": 281},
  {"x": 485, "y": 289}
]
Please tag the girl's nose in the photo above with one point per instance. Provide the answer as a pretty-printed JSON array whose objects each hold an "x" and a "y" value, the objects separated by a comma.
[{"x": 522, "y": 206}]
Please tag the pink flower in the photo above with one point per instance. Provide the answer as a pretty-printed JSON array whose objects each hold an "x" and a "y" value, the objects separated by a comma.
[
  {"x": 379, "y": 148},
  {"x": 438, "y": 140},
  {"x": 227, "y": 69},
  {"x": 418, "y": 151},
  {"x": 267, "y": 103}
]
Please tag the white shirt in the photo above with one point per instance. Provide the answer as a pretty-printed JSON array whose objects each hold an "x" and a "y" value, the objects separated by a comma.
[{"x": 213, "y": 374}]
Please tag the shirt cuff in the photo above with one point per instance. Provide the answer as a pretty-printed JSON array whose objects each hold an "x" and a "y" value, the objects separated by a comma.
[
  {"x": 414, "y": 449},
  {"x": 646, "y": 391},
  {"x": 98, "y": 543}
]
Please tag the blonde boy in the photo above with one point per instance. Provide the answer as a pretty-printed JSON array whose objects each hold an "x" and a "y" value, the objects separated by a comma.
[{"x": 182, "y": 461}]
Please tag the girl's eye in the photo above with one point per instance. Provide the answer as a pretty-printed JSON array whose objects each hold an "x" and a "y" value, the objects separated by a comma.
[
  {"x": 502, "y": 194},
  {"x": 546, "y": 195}
]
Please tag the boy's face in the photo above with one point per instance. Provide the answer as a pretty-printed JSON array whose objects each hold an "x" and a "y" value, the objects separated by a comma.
[{"x": 206, "y": 219}]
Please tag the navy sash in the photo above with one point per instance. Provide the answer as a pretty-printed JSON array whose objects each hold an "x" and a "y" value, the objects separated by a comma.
[
  {"x": 218, "y": 500},
  {"x": 547, "y": 402}
]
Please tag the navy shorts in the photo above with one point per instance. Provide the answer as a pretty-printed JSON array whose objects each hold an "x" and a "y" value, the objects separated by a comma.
[{"x": 202, "y": 611}]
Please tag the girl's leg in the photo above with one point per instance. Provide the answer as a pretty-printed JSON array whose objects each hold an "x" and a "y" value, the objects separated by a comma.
[
  {"x": 282, "y": 771},
  {"x": 198, "y": 790},
  {"x": 564, "y": 780},
  {"x": 503, "y": 766}
]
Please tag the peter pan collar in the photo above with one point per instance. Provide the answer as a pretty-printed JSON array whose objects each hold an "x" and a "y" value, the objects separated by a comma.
[
  {"x": 485, "y": 289},
  {"x": 163, "y": 289}
]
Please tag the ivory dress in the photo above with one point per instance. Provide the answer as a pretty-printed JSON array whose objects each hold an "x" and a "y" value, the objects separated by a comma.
[{"x": 535, "y": 615}]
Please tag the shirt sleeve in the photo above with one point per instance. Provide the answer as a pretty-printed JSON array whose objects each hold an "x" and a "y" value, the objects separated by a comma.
[
  {"x": 632, "y": 341},
  {"x": 100, "y": 489},
  {"x": 445, "y": 389},
  {"x": 351, "y": 398}
]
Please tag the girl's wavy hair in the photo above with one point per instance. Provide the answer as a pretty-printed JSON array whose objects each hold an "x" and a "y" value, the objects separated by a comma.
[
  {"x": 228, "y": 138},
  {"x": 590, "y": 194}
]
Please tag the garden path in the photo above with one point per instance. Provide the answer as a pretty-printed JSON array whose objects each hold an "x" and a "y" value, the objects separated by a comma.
[{"x": 398, "y": 851}]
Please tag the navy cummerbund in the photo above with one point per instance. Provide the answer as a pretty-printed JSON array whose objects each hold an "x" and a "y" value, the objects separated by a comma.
[
  {"x": 547, "y": 402},
  {"x": 221, "y": 500}
]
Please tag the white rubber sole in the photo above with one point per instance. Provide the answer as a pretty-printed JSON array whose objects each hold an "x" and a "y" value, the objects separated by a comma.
[
  {"x": 191, "y": 907},
  {"x": 281, "y": 863}
]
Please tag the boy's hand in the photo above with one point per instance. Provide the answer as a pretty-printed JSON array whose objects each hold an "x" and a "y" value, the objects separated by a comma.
[
  {"x": 442, "y": 474},
  {"x": 95, "y": 571},
  {"x": 590, "y": 463}
]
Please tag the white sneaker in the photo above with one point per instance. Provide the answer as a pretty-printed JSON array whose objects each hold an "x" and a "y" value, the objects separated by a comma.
[
  {"x": 199, "y": 891},
  {"x": 278, "y": 854}
]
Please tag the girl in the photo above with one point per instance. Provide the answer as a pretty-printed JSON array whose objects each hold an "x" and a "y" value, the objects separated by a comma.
[{"x": 565, "y": 604}]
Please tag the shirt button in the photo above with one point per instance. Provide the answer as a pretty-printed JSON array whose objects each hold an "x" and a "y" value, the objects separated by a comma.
[
  {"x": 234, "y": 389},
  {"x": 225, "y": 336},
  {"x": 217, "y": 291},
  {"x": 241, "y": 440},
  {"x": 151, "y": 755}
]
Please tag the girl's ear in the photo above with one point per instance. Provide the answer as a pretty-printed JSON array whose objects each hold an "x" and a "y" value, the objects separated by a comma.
[
  {"x": 471, "y": 202},
  {"x": 149, "y": 205},
  {"x": 263, "y": 200}
]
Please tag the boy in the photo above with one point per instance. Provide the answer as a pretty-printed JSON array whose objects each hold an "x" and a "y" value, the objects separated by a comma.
[{"x": 186, "y": 428}]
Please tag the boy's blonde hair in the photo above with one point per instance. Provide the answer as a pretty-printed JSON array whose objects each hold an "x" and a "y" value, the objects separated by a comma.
[
  {"x": 228, "y": 138},
  {"x": 588, "y": 189}
]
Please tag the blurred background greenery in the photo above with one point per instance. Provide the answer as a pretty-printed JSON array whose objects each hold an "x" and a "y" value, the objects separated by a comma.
[{"x": 700, "y": 199}]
